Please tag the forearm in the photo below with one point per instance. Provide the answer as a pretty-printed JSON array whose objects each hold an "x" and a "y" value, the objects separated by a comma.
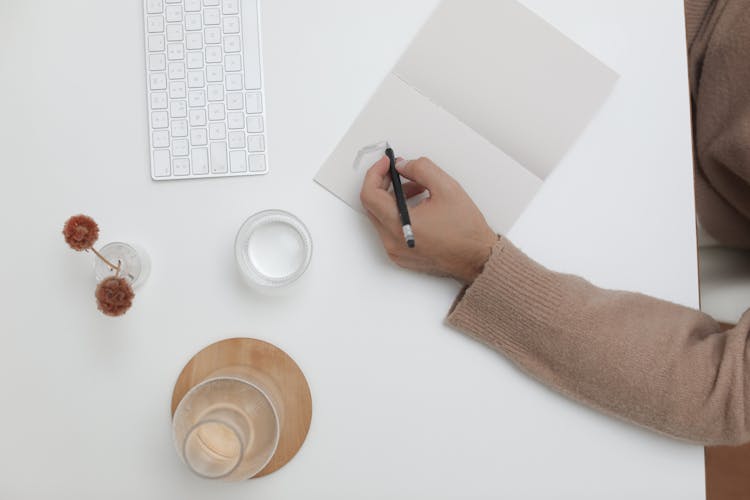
[{"x": 650, "y": 362}]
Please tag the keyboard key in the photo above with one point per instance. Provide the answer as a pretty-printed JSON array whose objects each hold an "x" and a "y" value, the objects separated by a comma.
[
  {"x": 174, "y": 32},
  {"x": 257, "y": 163},
  {"x": 158, "y": 81},
  {"x": 195, "y": 79},
  {"x": 178, "y": 109},
  {"x": 198, "y": 136},
  {"x": 214, "y": 73},
  {"x": 253, "y": 103},
  {"x": 192, "y": 5},
  {"x": 233, "y": 62},
  {"x": 234, "y": 81},
  {"x": 216, "y": 111},
  {"x": 236, "y": 120},
  {"x": 236, "y": 139},
  {"x": 213, "y": 35},
  {"x": 155, "y": 43},
  {"x": 253, "y": 75},
  {"x": 177, "y": 90},
  {"x": 160, "y": 138},
  {"x": 181, "y": 166},
  {"x": 179, "y": 128},
  {"x": 176, "y": 70},
  {"x": 155, "y": 24},
  {"x": 157, "y": 62},
  {"x": 213, "y": 54},
  {"x": 174, "y": 14},
  {"x": 218, "y": 157},
  {"x": 235, "y": 100},
  {"x": 175, "y": 51},
  {"x": 154, "y": 6},
  {"x": 217, "y": 131},
  {"x": 231, "y": 43},
  {"x": 237, "y": 161},
  {"x": 197, "y": 117},
  {"x": 230, "y": 7},
  {"x": 193, "y": 22},
  {"x": 211, "y": 17},
  {"x": 197, "y": 98},
  {"x": 210, "y": 2},
  {"x": 200, "y": 160},
  {"x": 254, "y": 124},
  {"x": 215, "y": 92},
  {"x": 256, "y": 143},
  {"x": 159, "y": 100},
  {"x": 194, "y": 41},
  {"x": 231, "y": 24},
  {"x": 160, "y": 165},
  {"x": 194, "y": 60},
  {"x": 180, "y": 147},
  {"x": 174, "y": 1}
]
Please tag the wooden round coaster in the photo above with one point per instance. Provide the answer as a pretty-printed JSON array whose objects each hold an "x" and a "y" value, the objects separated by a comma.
[{"x": 271, "y": 361}]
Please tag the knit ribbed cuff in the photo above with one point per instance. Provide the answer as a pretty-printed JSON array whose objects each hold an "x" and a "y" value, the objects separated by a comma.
[{"x": 510, "y": 303}]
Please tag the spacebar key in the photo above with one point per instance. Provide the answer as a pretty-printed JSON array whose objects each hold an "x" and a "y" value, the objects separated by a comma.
[
  {"x": 218, "y": 157},
  {"x": 251, "y": 29}
]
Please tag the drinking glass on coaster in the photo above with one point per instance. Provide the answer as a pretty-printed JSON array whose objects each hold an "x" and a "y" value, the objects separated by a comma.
[
  {"x": 228, "y": 426},
  {"x": 241, "y": 408},
  {"x": 135, "y": 264}
]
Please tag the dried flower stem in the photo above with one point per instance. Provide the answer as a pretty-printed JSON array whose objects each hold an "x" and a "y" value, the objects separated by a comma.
[{"x": 113, "y": 267}]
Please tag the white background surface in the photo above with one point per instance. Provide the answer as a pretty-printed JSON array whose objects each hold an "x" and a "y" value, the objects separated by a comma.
[
  {"x": 406, "y": 409},
  {"x": 725, "y": 282}
]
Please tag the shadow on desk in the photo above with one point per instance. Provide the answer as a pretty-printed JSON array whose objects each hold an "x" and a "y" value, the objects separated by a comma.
[{"x": 728, "y": 470}]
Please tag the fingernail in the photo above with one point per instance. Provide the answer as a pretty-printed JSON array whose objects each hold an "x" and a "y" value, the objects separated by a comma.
[{"x": 400, "y": 164}]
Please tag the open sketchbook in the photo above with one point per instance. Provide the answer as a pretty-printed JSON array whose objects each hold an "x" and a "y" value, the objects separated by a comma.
[{"x": 491, "y": 93}]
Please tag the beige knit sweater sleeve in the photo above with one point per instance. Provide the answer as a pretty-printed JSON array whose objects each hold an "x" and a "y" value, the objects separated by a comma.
[
  {"x": 718, "y": 35},
  {"x": 650, "y": 362}
]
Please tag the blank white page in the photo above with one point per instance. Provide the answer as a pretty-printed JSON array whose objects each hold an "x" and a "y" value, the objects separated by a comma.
[{"x": 509, "y": 75}]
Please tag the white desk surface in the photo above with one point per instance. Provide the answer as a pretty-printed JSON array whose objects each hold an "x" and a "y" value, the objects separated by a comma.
[
  {"x": 405, "y": 410},
  {"x": 725, "y": 282}
]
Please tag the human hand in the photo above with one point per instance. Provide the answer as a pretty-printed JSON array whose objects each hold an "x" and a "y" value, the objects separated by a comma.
[{"x": 452, "y": 237}]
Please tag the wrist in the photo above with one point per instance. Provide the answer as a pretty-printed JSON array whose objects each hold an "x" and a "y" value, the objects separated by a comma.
[{"x": 477, "y": 257}]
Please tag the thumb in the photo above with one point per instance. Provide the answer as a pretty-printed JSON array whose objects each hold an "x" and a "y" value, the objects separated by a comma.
[{"x": 423, "y": 171}]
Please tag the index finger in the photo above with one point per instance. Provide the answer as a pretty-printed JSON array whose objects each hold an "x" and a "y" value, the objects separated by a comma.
[
  {"x": 378, "y": 176},
  {"x": 374, "y": 195}
]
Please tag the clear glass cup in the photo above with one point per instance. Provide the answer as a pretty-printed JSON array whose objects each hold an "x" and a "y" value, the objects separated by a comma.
[
  {"x": 228, "y": 426},
  {"x": 135, "y": 265},
  {"x": 273, "y": 249}
]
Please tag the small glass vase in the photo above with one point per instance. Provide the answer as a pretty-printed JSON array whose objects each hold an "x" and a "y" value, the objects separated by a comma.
[{"x": 135, "y": 265}]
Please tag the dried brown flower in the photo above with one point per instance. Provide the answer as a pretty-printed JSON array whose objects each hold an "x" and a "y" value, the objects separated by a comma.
[
  {"x": 81, "y": 232},
  {"x": 114, "y": 296}
]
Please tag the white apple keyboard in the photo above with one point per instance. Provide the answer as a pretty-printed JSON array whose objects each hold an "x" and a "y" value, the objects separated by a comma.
[{"x": 205, "y": 88}]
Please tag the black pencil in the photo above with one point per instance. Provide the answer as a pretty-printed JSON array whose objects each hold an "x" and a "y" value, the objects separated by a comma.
[{"x": 400, "y": 200}]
